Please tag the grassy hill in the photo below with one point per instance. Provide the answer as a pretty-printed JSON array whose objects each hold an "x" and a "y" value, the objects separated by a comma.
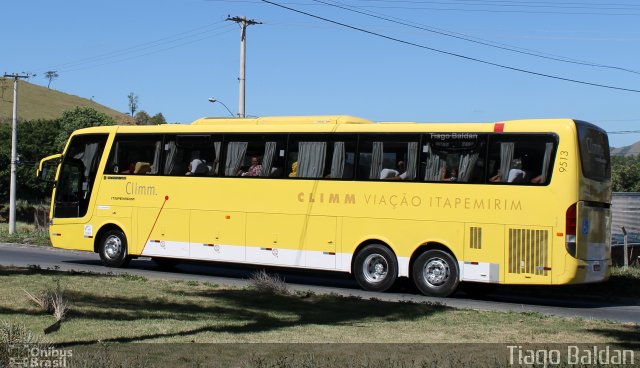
[{"x": 37, "y": 102}]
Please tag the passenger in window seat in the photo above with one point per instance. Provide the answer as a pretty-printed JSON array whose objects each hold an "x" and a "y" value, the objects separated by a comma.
[
  {"x": 391, "y": 174},
  {"x": 197, "y": 167}
]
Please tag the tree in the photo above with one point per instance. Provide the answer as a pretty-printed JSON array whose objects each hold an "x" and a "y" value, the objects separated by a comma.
[
  {"x": 51, "y": 75},
  {"x": 158, "y": 119},
  {"x": 142, "y": 118},
  {"x": 36, "y": 141},
  {"x": 625, "y": 174},
  {"x": 78, "y": 118},
  {"x": 133, "y": 103}
]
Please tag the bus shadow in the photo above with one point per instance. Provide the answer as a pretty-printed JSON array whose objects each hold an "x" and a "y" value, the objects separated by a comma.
[
  {"x": 234, "y": 272},
  {"x": 613, "y": 293},
  {"x": 569, "y": 296}
]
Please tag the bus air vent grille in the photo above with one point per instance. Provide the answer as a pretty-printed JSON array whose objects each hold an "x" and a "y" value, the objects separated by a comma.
[
  {"x": 475, "y": 237},
  {"x": 528, "y": 251}
]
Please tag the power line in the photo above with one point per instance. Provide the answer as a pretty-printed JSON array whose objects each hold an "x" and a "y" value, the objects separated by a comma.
[
  {"x": 552, "y": 3},
  {"x": 451, "y": 53},
  {"x": 436, "y": 3},
  {"x": 70, "y": 66},
  {"x": 520, "y": 4},
  {"x": 483, "y": 42},
  {"x": 145, "y": 54},
  {"x": 496, "y": 11},
  {"x": 616, "y": 120}
]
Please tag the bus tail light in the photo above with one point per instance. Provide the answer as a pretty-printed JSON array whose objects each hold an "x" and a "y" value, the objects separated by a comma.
[{"x": 570, "y": 230}]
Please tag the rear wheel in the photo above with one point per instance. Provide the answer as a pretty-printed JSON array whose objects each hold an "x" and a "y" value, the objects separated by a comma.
[
  {"x": 435, "y": 273},
  {"x": 113, "y": 249},
  {"x": 375, "y": 268}
]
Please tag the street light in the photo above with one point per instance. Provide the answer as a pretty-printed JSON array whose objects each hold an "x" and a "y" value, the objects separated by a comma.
[{"x": 213, "y": 100}]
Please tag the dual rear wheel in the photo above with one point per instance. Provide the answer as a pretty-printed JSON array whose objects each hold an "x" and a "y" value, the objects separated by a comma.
[{"x": 434, "y": 272}]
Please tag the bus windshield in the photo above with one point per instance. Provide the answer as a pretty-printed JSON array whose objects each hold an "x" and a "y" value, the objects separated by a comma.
[{"x": 77, "y": 174}]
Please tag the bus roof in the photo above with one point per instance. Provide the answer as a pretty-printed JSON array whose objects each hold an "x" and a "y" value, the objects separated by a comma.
[
  {"x": 284, "y": 120},
  {"x": 335, "y": 123}
]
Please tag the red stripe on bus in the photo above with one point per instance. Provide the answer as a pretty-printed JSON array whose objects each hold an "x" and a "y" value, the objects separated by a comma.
[{"x": 498, "y": 127}]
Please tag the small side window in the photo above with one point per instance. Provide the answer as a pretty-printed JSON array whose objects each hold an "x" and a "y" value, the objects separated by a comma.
[
  {"x": 255, "y": 156},
  {"x": 388, "y": 157},
  {"x": 321, "y": 157},
  {"x": 135, "y": 155},
  {"x": 521, "y": 159},
  {"x": 192, "y": 155},
  {"x": 453, "y": 157}
]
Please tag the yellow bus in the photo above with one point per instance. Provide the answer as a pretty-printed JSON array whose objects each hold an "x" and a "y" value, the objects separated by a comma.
[{"x": 514, "y": 202}]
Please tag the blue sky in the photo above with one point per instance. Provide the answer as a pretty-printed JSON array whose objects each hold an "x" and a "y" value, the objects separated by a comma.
[{"x": 176, "y": 54}]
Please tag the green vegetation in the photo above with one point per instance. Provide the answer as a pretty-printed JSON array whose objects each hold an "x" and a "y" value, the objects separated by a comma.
[
  {"x": 142, "y": 118},
  {"x": 25, "y": 234},
  {"x": 38, "y": 139},
  {"x": 625, "y": 173}
]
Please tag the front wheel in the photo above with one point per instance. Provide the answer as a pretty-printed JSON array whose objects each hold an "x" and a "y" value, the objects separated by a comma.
[
  {"x": 113, "y": 249},
  {"x": 375, "y": 268},
  {"x": 435, "y": 273}
]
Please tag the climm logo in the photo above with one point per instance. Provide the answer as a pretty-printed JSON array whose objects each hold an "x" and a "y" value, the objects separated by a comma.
[
  {"x": 327, "y": 198},
  {"x": 133, "y": 188}
]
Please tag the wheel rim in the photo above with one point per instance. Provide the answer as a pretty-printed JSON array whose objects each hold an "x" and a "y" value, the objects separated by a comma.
[
  {"x": 375, "y": 268},
  {"x": 112, "y": 247},
  {"x": 436, "y": 272}
]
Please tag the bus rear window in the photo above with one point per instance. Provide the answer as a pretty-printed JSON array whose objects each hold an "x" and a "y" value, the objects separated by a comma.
[{"x": 594, "y": 151}]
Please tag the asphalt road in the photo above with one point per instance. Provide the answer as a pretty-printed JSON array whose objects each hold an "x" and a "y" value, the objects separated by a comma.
[{"x": 45, "y": 257}]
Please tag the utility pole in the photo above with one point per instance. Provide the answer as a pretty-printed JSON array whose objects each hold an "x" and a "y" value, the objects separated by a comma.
[
  {"x": 243, "y": 22},
  {"x": 14, "y": 151}
]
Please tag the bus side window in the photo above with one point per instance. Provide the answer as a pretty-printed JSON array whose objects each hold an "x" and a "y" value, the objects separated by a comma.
[
  {"x": 254, "y": 156},
  {"x": 521, "y": 159},
  {"x": 191, "y": 155},
  {"x": 321, "y": 156},
  {"x": 453, "y": 157},
  {"x": 135, "y": 155},
  {"x": 393, "y": 158}
]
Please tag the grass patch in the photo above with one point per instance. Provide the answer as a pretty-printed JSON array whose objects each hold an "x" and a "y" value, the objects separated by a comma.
[
  {"x": 117, "y": 309},
  {"x": 25, "y": 234}
]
